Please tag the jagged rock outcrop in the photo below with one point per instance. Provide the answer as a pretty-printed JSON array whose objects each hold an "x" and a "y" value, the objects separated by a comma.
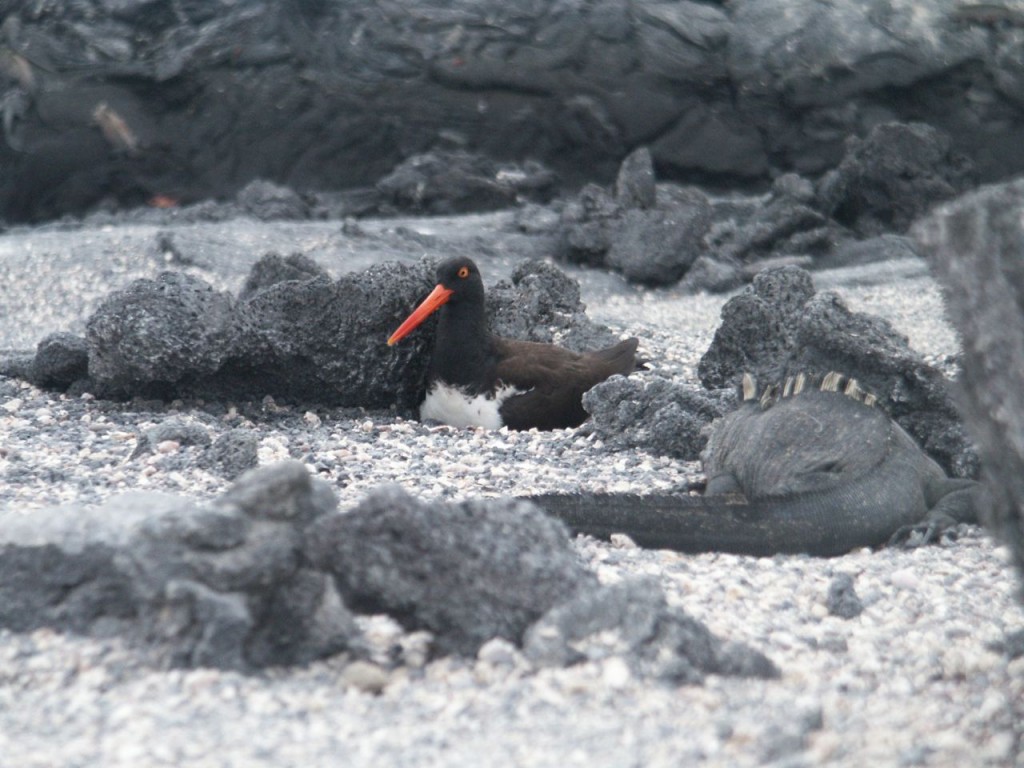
[{"x": 134, "y": 102}]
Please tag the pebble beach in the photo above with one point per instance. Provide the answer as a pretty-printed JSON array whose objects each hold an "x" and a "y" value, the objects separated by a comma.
[{"x": 924, "y": 676}]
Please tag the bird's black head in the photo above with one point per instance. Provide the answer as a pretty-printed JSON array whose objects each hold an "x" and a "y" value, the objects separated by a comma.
[
  {"x": 460, "y": 288},
  {"x": 460, "y": 276}
]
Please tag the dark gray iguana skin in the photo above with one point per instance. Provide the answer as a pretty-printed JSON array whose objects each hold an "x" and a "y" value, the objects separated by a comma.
[{"x": 815, "y": 469}]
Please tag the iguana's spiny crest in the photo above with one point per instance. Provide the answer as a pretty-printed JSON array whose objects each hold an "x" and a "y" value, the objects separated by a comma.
[{"x": 833, "y": 381}]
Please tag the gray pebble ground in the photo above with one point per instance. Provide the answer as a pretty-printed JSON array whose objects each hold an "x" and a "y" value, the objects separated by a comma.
[{"x": 917, "y": 679}]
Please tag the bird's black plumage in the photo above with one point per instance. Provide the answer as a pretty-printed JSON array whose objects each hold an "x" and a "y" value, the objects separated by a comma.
[{"x": 528, "y": 384}]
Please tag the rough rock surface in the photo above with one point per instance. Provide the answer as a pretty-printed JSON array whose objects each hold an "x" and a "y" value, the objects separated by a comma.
[
  {"x": 298, "y": 334},
  {"x": 220, "y": 584},
  {"x": 539, "y": 302},
  {"x": 61, "y": 359},
  {"x": 155, "y": 334},
  {"x": 975, "y": 245},
  {"x": 674, "y": 234},
  {"x": 274, "y": 268},
  {"x": 787, "y": 222},
  {"x": 453, "y": 182},
  {"x": 779, "y": 326},
  {"x": 892, "y": 176},
  {"x": 133, "y": 103},
  {"x": 842, "y": 599},
  {"x": 655, "y": 414},
  {"x": 632, "y": 619},
  {"x": 467, "y": 572},
  {"x": 651, "y": 242}
]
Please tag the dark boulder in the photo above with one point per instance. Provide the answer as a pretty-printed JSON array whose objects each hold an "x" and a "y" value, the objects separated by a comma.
[
  {"x": 892, "y": 176},
  {"x": 631, "y": 620},
  {"x": 461, "y": 182},
  {"x": 466, "y": 572},
  {"x": 61, "y": 359},
  {"x": 273, "y": 269},
  {"x": 655, "y": 415},
  {"x": 975, "y": 245},
  {"x": 220, "y": 584},
  {"x": 158, "y": 335},
  {"x": 652, "y": 235},
  {"x": 541, "y": 303}
]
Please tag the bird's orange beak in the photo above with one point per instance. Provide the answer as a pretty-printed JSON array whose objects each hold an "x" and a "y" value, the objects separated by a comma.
[{"x": 437, "y": 298}]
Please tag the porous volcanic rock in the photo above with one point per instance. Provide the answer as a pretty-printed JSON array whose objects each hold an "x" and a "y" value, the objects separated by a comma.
[
  {"x": 221, "y": 584},
  {"x": 300, "y": 335},
  {"x": 466, "y": 572},
  {"x": 631, "y": 620},
  {"x": 655, "y": 414},
  {"x": 975, "y": 245},
  {"x": 892, "y": 176}
]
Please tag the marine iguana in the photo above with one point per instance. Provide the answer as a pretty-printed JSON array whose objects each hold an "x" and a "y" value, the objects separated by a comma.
[{"x": 813, "y": 467}]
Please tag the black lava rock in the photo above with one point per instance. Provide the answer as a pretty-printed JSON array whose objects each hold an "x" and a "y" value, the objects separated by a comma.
[
  {"x": 219, "y": 584},
  {"x": 157, "y": 335},
  {"x": 650, "y": 235},
  {"x": 541, "y": 303},
  {"x": 785, "y": 224},
  {"x": 449, "y": 182},
  {"x": 655, "y": 415},
  {"x": 267, "y": 201},
  {"x": 975, "y": 245},
  {"x": 467, "y": 572},
  {"x": 233, "y": 453},
  {"x": 273, "y": 269},
  {"x": 656, "y": 246},
  {"x": 842, "y": 599},
  {"x": 61, "y": 359},
  {"x": 635, "y": 185},
  {"x": 632, "y": 620},
  {"x": 892, "y": 176},
  {"x": 758, "y": 327}
]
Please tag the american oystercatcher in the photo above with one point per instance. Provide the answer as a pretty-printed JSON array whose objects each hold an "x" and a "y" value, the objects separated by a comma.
[{"x": 479, "y": 379}]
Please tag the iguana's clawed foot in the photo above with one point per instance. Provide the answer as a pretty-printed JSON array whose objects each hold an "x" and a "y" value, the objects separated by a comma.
[{"x": 932, "y": 530}]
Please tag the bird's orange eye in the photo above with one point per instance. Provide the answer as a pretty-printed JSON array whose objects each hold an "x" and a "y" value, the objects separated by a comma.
[{"x": 463, "y": 272}]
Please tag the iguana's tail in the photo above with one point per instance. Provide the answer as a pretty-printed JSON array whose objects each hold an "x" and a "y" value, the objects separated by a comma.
[{"x": 824, "y": 524}]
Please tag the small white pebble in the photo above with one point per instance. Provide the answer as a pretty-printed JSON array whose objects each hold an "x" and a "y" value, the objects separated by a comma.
[
  {"x": 615, "y": 673},
  {"x": 905, "y": 578}
]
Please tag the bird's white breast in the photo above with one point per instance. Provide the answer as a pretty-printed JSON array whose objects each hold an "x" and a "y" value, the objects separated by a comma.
[{"x": 451, "y": 405}]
